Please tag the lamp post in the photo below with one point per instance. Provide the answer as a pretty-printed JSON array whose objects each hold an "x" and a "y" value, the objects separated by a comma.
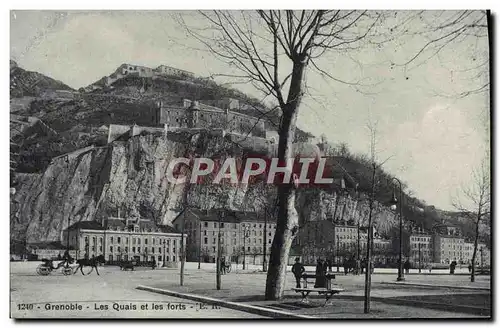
[
  {"x": 218, "y": 264},
  {"x": 246, "y": 234},
  {"x": 164, "y": 264},
  {"x": 394, "y": 202},
  {"x": 183, "y": 254},
  {"x": 419, "y": 259},
  {"x": 199, "y": 250},
  {"x": 87, "y": 249},
  {"x": 481, "y": 250},
  {"x": 264, "y": 261}
]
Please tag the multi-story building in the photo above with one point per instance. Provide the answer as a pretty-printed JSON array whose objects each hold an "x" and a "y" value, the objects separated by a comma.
[
  {"x": 421, "y": 249},
  {"x": 167, "y": 70},
  {"x": 124, "y": 239},
  {"x": 193, "y": 115},
  {"x": 203, "y": 226},
  {"x": 448, "y": 248},
  {"x": 482, "y": 254}
]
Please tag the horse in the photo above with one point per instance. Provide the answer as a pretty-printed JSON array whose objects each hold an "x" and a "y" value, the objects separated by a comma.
[{"x": 92, "y": 262}]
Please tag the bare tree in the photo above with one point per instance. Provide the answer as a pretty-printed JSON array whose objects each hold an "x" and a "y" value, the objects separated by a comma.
[
  {"x": 477, "y": 195},
  {"x": 272, "y": 50},
  {"x": 441, "y": 30}
]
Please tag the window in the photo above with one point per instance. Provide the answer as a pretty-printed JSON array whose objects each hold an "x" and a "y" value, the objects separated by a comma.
[
  {"x": 269, "y": 241},
  {"x": 119, "y": 240},
  {"x": 126, "y": 240},
  {"x": 174, "y": 242},
  {"x": 111, "y": 240},
  {"x": 222, "y": 225},
  {"x": 136, "y": 229},
  {"x": 249, "y": 249},
  {"x": 154, "y": 240},
  {"x": 133, "y": 249},
  {"x": 110, "y": 248},
  {"x": 206, "y": 240},
  {"x": 100, "y": 240},
  {"x": 126, "y": 249},
  {"x": 215, "y": 224},
  {"x": 214, "y": 241},
  {"x": 138, "y": 241},
  {"x": 146, "y": 241},
  {"x": 138, "y": 249},
  {"x": 204, "y": 233},
  {"x": 159, "y": 250},
  {"x": 205, "y": 224},
  {"x": 119, "y": 249},
  {"x": 255, "y": 226}
]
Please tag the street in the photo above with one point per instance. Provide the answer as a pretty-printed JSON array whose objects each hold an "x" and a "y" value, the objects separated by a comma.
[
  {"x": 113, "y": 294},
  {"x": 110, "y": 295}
]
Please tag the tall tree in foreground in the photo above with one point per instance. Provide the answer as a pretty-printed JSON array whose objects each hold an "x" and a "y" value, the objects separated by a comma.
[
  {"x": 477, "y": 196},
  {"x": 273, "y": 50}
]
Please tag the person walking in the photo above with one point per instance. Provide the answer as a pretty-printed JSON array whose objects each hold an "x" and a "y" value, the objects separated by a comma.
[
  {"x": 320, "y": 275},
  {"x": 452, "y": 267},
  {"x": 223, "y": 265},
  {"x": 407, "y": 266},
  {"x": 297, "y": 270}
]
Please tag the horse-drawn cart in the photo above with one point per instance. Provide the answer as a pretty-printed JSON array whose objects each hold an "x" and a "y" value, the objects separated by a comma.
[{"x": 46, "y": 268}]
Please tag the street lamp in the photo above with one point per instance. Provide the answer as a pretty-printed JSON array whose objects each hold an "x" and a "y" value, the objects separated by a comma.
[
  {"x": 199, "y": 250},
  {"x": 394, "y": 202},
  {"x": 164, "y": 254},
  {"x": 218, "y": 264},
  {"x": 246, "y": 234},
  {"x": 264, "y": 261}
]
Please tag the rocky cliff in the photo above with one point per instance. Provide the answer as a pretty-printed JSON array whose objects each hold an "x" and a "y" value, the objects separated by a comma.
[{"x": 130, "y": 177}]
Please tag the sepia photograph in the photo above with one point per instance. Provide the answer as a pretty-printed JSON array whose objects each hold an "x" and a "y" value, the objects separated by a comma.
[{"x": 251, "y": 164}]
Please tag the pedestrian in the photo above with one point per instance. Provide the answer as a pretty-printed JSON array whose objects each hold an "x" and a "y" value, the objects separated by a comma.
[
  {"x": 407, "y": 266},
  {"x": 330, "y": 265},
  {"x": 153, "y": 265},
  {"x": 470, "y": 267},
  {"x": 223, "y": 265},
  {"x": 452, "y": 267},
  {"x": 346, "y": 266},
  {"x": 320, "y": 275},
  {"x": 297, "y": 270}
]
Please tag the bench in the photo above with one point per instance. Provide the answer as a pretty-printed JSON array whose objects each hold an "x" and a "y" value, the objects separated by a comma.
[{"x": 328, "y": 290}]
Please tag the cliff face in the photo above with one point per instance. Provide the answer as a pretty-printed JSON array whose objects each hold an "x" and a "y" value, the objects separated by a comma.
[{"x": 130, "y": 177}]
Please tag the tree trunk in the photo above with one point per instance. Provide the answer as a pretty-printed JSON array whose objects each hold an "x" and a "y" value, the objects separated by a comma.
[
  {"x": 369, "y": 244},
  {"x": 474, "y": 253},
  {"x": 287, "y": 221}
]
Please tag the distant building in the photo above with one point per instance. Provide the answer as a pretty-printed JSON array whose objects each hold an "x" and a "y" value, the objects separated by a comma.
[
  {"x": 135, "y": 70},
  {"x": 124, "y": 239},
  {"x": 202, "y": 228},
  {"x": 448, "y": 244},
  {"x": 196, "y": 115},
  {"x": 167, "y": 70},
  {"x": 448, "y": 248},
  {"x": 48, "y": 250},
  {"x": 482, "y": 255},
  {"x": 421, "y": 250}
]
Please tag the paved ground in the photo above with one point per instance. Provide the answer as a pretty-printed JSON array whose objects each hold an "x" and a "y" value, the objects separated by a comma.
[
  {"x": 113, "y": 289},
  {"x": 117, "y": 287}
]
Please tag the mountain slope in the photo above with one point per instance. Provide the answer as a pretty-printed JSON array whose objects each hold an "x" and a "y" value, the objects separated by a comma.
[{"x": 26, "y": 83}]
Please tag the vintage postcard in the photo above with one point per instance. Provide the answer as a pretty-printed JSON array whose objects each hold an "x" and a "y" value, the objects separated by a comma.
[{"x": 304, "y": 164}]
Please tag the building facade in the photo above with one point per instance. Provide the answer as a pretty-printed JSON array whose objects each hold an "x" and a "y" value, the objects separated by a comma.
[
  {"x": 167, "y": 70},
  {"x": 243, "y": 235},
  {"x": 448, "y": 248},
  {"x": 421, "y": 251},
  {"x": 124, "y": 239},
  {"x": 195, "y": 115}
]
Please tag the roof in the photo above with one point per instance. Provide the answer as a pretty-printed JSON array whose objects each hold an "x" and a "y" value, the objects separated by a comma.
[{"x": 89, "y": 225}]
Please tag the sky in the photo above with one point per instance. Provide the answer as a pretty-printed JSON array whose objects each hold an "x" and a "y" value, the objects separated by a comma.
[{"x": 433, "y": 138}]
